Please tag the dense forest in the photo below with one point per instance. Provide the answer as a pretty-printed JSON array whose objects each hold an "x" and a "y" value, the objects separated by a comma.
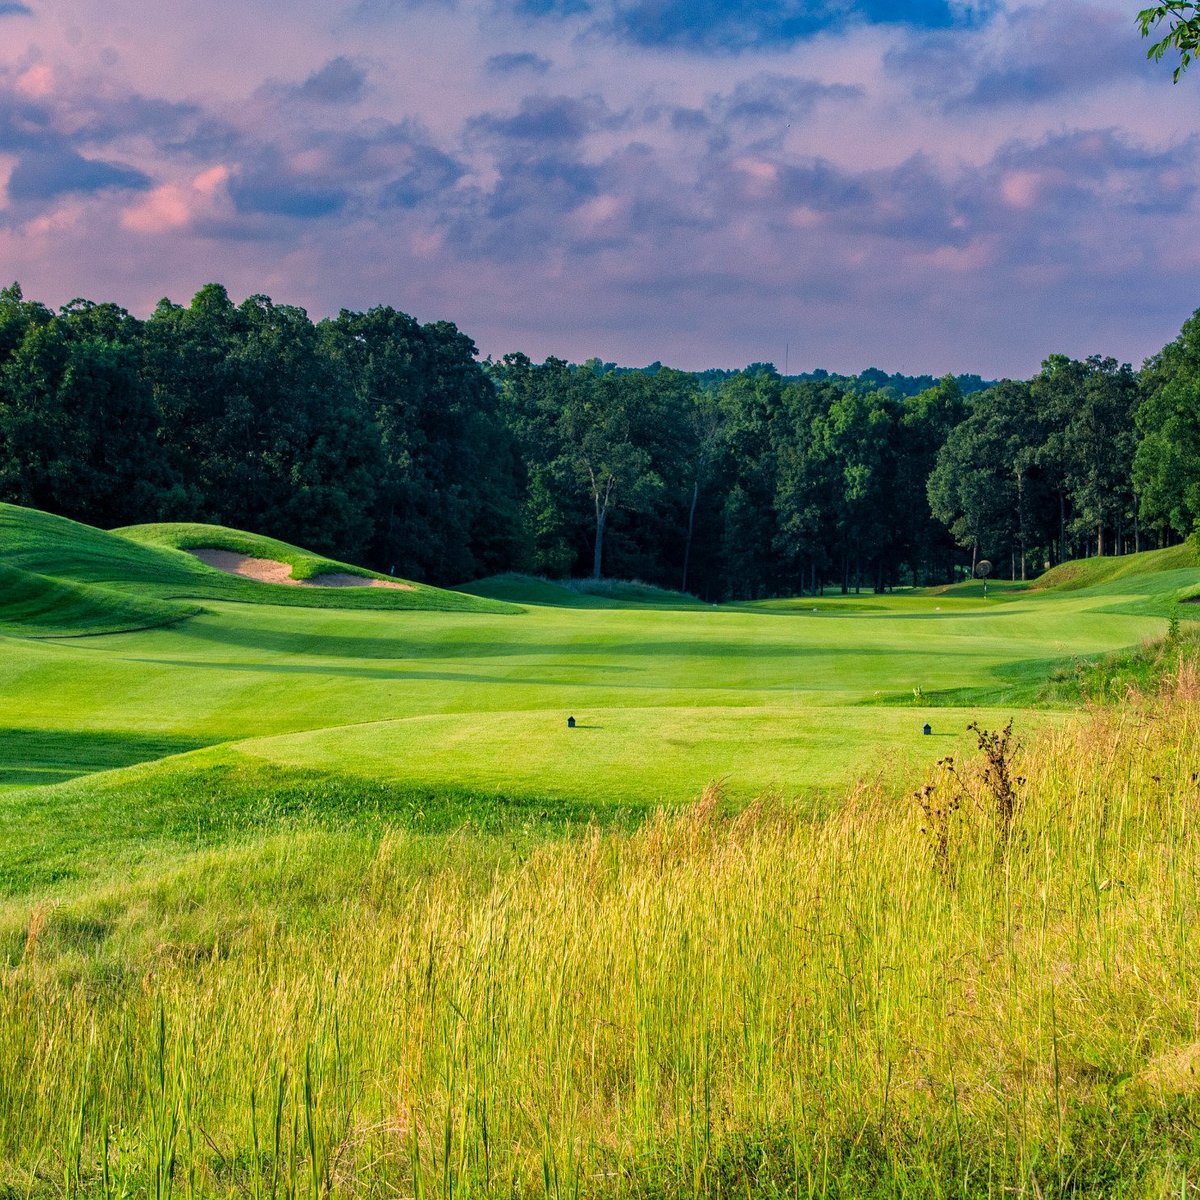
[{"x": 376, "y": 439}]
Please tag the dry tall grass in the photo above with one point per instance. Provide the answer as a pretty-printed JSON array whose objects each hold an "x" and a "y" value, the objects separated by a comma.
[{"x": 751, "y": 1006}]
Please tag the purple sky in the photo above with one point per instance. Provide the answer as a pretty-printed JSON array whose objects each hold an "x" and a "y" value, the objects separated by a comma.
[{"x": 968, "y": 188}]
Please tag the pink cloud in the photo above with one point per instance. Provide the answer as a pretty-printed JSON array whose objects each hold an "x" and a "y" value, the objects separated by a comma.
[
  {"x": 36, "y": 82},
  {"x": 174, "y": 206},
  {"x": 162, "y": 209},
  {"x": 1021, "y": 188}
]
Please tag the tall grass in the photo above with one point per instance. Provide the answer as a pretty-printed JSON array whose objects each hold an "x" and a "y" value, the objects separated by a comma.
[{"x": 750, "y": 1006}]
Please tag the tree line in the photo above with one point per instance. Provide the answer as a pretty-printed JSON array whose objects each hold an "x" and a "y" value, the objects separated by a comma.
[{"x": 376, "y": 439}]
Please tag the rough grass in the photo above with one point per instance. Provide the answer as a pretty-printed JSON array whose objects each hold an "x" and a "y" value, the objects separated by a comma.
[
  {"x": 1112, "y": 677},
  {"x": 901, "y": 1000}
]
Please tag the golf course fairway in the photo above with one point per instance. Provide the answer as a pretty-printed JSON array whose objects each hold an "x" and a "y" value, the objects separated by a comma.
[{"x": 470, "y": 692}]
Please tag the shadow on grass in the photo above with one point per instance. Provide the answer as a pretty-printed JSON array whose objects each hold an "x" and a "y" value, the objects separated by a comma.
[
  {"x": 91, "y": 827},
  {"x": 276, "y": 667},
  {"x": 41, "y": 756},
  {"x": 602, "y": 649}
]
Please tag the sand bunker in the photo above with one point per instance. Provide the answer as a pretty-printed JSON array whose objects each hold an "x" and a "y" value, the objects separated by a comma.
[
  {"x": 267, "y": 570},
  {"x": 345, "y": 579}
]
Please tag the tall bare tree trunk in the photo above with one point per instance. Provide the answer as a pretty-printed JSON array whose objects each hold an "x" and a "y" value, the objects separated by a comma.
[
  {"x": 1020, "y": 522},
  {"x": 601, "y": 521},
  {"x": 687, "y": 549},
  {"x": 601, "y": 496}
]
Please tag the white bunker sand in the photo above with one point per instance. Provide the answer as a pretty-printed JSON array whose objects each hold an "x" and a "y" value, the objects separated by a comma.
[{"x": 267, "y": 570}]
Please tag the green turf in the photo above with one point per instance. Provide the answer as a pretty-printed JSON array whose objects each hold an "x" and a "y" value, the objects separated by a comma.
[
  {"x": 456, "y": 708},
  {"x": 191, "y": 536},
  {"x": 33, "y": 605},
  {"x": 148, "y": 562},
  {"x": 1088, "y": 572},
  {"x": 580, "y": 593},
  {"x": 637, "y": 755}
]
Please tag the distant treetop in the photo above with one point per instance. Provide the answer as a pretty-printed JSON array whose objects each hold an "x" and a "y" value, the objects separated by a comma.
[{"x": 870, "y": 380}]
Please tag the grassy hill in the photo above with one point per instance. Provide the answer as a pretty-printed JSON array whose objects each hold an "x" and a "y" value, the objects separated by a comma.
[
  {"x": 33, "y": 605},
  {"x": 62, "y": 549},
  {"x": 1095, "y": 572},
  {"x": 580, "y": 593},
  {"x": 190, "y": 536},
  {"x": 151, "y": 561}
]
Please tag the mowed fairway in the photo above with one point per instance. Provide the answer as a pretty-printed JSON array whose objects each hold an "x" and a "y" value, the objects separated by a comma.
[{"x": 790, "y": 697}]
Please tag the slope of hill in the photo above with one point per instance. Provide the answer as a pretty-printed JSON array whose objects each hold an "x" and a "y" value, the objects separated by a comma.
[
  {"x": 192, "y": 536},
  {"x": 153, "y": 561},
  {"x": 1083, "y": 573},
  {"x": 62, "y": 549},
  {"x": 579, "y": 593},
  {"x": 33, "y": 605}
]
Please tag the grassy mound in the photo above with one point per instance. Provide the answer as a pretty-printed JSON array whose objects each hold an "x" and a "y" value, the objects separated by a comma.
[
  {"x": 633, "y": 591},
  {"x": 1094, "y": 572},
  {"x": 32, "y": 605},
  {"x": 148, "y": 560},
  {"x": 580, "y": 593},
  {"x": 41, "y": 542},
  {"x": 523, "y": 589},
  {"x": 973, "y": 589},
  {"x": 192, "y": 536},
  {"x": 125, "y": 801},
  {"x": 30, "y": 758},
  {"x": 1112, "y": 677}
]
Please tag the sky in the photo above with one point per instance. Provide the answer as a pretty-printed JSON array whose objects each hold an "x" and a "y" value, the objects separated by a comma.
[{"x": 932, "y": 186}]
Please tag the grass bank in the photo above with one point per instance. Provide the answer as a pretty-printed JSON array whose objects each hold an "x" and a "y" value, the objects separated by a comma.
[
  {"x": 33, "y": 606},
  {"x": 986, "y": 990},
  {"x": 151, "y": 562}
]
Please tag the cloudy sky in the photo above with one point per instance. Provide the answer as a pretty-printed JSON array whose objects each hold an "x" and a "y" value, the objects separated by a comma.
[{"x": 924, "y": 186}]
